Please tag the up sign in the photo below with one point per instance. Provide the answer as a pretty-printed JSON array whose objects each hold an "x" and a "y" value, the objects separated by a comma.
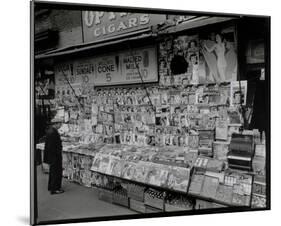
[{"x": 99, "y": 25}]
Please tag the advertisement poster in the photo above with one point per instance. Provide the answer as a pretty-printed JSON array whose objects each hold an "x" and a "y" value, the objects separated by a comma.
[
  {"x": 45, "y": 87},
  {"x": 107, "y": 69},
  {"x": 118, "y": 68},
  {"x": 147, "y": 66},
  {"x": 122, "y": 69},
  {"x": 75, "y": 72},
  {"x": 218, "y": 56}
]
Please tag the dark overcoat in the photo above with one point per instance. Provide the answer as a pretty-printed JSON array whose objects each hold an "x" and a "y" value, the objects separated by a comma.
[{"x": 53, "y": 156}]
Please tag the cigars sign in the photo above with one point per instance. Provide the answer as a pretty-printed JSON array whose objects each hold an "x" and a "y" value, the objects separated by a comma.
[
  {"x": 99, "y": 25},
  {"x": 118, "y": 68}
]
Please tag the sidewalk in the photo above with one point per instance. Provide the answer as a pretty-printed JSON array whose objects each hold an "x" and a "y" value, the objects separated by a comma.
[{"x": 76, "y": 202}]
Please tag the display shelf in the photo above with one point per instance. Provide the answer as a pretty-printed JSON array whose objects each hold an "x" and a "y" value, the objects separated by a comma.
[
  {"x": 180, "y": 192},
  {"x": 78, "y": 150},
  {"x": 143, "y": 184}
]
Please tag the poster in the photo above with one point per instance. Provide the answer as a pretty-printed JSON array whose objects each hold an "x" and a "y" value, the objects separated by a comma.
[
  {"x": 238, "y": 93},
  {"x": 74, "y": 72},
  {"x": 218, "y": 57},
  {"x": 118, "y": 68},
  {"x": 107, "y": 69},
  {"x": 146, "y": 60},
  {"x": 45, "y": 85}
]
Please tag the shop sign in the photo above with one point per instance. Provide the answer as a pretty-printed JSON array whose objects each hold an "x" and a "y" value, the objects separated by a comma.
[
  {"x": 119, "y": 68},
  {"x": 146, "y": 60},
  {"x": 74, "y": 72},
  {"x": 107, "y": 68},
  {"x": 99, "y": 25}
]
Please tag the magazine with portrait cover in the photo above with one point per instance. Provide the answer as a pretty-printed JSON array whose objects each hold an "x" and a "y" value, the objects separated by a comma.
[
  {"x": 238, "y": 93},
  {"x": 128, "y": 171},
  {"x": 234, "y": 116}
]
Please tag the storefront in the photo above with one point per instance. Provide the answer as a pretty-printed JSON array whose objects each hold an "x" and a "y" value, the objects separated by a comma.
[{"x": 159, "y": 119}]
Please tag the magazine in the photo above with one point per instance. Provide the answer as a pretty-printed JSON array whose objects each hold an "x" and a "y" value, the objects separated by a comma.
[
  {"x": 96, "y": 162},
  {"x": 153, "y": 176},
  {"x": 220, "y": 150},
  {"x": 210, "y": 186},
  {"x": 128, "y": 170},
  {"x": 221, "y": 129},
  {"x": 238, "y": 93},
  {"x": 178, "y": 178},
  {"x": 196, "y": 184},
  {"x": 141, "y": 171},
  {"x": 224, "y": 194},
  {"x": 104, "y": 164}
]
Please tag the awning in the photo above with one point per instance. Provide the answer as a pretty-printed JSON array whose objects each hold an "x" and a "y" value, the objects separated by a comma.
[
  {"x": 136, "y": 35},
  {"x": 194, "y": 22}
]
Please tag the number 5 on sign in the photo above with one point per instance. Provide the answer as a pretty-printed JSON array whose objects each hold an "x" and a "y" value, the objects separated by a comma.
[{"x": 108, "y": 77}]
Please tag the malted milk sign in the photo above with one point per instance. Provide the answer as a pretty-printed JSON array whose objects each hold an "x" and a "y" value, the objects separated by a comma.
[
  {"x": 119, "y": 68},
  {"x": 99, "y": 25}
]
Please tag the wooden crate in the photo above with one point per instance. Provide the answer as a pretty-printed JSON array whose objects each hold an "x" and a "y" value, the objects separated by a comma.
[
  {"x": 154, "y": 202},
  {"x": 105, "y": 195},
  {"x": 150, "y": 209},
  {"x": 171, "y": 208},
  {"x": 137, "y": 206},
  {"x": 120, "y": 199},
  {"x": 136, "y": 193},
  {"x": 202, "y": 204}
]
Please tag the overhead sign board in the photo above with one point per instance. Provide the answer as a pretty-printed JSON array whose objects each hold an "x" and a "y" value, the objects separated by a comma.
[
  {"x": 99, "y": 25},
  {"x": 115, "y": 69}
]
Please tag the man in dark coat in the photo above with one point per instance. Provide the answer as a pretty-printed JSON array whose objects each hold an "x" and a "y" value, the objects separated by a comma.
[{"x": 53, "y": 156}]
